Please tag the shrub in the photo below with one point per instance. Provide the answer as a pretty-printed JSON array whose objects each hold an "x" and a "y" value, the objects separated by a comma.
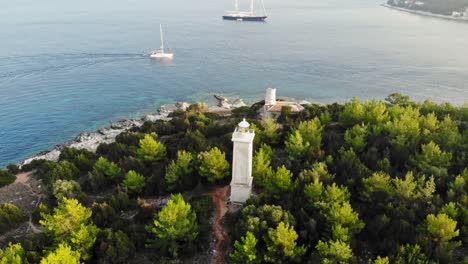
[
  {"x": 10, "y": 216},
  {"x": 134, "y": 182},
  {"x": 13, "y": 168},
  {"x": 6, "y": 178}
]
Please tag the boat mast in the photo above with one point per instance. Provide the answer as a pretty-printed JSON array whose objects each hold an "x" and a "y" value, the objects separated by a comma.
[
  {"x": 162, "y": 38},
  {"x": 264, "y": 10},
  {"x": 236, "y": 6},
  {"x": 251, "y": 7}
]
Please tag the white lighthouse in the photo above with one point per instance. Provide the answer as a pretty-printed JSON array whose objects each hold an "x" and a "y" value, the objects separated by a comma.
[{"x": 241, "y": 184}]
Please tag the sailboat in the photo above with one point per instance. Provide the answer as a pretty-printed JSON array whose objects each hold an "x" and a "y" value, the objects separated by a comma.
[
  {"x": 245, "y": 15},
  {"x": 161, "y": 53}
]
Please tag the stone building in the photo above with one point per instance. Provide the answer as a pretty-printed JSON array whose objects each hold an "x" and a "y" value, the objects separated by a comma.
[{"x": 272, "y": 107}]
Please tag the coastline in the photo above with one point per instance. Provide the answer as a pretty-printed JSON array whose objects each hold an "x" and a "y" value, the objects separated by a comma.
[
  {"x": 424, "y": 13},
  {"x": 91, "y": 140}
]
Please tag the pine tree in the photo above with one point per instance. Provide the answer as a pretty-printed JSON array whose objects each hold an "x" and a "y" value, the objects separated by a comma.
[
  {"x": 62, "y": 255},
  {"x": 245, "y": 250},
  {"x": 174, "y": 226},
  {"x": 213, "y": 165},
  {"x": 150, "y": 149},
  {"x": 134, "y": 181},
  {"x": 179, "y": 170},
  {"x": 282, "y": 246}
]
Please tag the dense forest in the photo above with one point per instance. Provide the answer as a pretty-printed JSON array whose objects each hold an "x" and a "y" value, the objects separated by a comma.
[
  {"x": 445, "y": 7},
  {"x": 363, "y": 182}
]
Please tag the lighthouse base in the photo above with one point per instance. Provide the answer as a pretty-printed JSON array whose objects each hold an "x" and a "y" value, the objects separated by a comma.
[{"x": 240, "y": 193}]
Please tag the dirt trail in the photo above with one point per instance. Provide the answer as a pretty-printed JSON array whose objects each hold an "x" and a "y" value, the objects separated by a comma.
[{"x": 220, "y": 197}]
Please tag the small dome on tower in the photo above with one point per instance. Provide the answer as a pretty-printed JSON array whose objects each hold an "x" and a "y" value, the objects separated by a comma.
[{"x": 244, "y": 124}]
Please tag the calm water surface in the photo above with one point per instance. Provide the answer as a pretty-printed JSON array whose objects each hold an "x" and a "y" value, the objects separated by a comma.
[{"x": 70, "y": 66}]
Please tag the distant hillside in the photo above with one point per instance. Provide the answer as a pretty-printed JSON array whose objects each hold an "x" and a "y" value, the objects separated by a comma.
[{"x": 445, "y": 7}]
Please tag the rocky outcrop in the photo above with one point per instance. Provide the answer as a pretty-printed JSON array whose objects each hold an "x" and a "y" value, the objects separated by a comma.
[{"x": 226, "y": 103}]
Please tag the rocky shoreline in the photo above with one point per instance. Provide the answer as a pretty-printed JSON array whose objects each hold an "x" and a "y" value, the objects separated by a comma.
[
  {"x": 423, "y": 13},
  {"x": 91, "y": 140}
]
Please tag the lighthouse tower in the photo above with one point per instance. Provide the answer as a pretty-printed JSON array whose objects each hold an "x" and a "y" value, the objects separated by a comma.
[{"x": 241, "y": 184}]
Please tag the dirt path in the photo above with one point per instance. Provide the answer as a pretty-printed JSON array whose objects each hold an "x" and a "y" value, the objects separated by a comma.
[{"x": 220, "y": 197}]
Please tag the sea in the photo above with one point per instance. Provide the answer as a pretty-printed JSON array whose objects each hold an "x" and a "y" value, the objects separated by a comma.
[{"x": 73, "y": 66}]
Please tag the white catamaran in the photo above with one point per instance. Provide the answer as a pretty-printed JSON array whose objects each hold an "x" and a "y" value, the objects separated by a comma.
[
  {"x": 161, "y": 53},
  {"x": 245, "y": 15}
]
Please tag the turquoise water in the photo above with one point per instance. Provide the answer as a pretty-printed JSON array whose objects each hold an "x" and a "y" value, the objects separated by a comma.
[{"x": 72, "y": 66}]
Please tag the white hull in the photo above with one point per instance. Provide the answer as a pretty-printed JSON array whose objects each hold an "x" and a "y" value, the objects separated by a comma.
[{"x": 162, "y": 55}]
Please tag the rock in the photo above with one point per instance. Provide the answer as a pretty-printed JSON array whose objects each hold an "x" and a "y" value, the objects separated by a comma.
[
  {"x": 222, "y": 101},
  {"x": 238, "y": 103},
  {"x": 224, "y": 104},
  {"x": 153, "y": 118},
  {"x": 183, "y": 105}
]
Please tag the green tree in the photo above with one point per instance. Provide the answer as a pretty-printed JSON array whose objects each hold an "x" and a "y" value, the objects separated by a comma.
[
  {"x": 280, "y": 182},
  {"x": 375, "y": 113},
  {"x": 134, "y": 181},
  {"x": 319, "y": 172},
  {"x": 404, "y": 127},
  {"x": 306, "y": 139},
  {"x": 114, "y": 247},
  {"x": 296, "y": 146},
  {"x": 62, "y": 255},
  {"x": 107, "y": 168},
  {"x": 429, "y": 124},
  {"x": 82, "y": 239},
  {"x": 380, "y": 260},
  {"x": 432, "y": 160},
  {"x": 66, "y": 188},
  {"x": 213, "y": 165},
  {"x": 282, "y": 246},
  {"x": 245, "y": 250},
  {"x": 344, "y": 216},
  {"x": 406, "y": 188},
  {"x": 352, "y": 113},
  {"x": 61, "y": 170},
  {"x": 311, "y": 132},
  {"x": 173, "y": 226},
  {"x": 6, "y": 178},
  {"x": 13, "y": 254},
  {"x": 10, "y": 216},
  {"x": 450, "y": 209},
  {"x": 270, "y": 131},
  {"x": 442, "y": 229},
  {"x": 179, "y": 171},
  {"x": 258, "y": 220},
  {"x": 261, "y": 168},
  {"x": 448, "y": 135},
  {"x": 356, "y": 137},
  {"x": 70, "y": 224},
  {"x": 398, "y": 99},
  {"x": 334, "y": 252},
  {"x": 325, "y": 118},
  {"x": 411, "y": 254},
  {"x": 379, "y": 182},
  {"x": 150, "y": 149}
]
